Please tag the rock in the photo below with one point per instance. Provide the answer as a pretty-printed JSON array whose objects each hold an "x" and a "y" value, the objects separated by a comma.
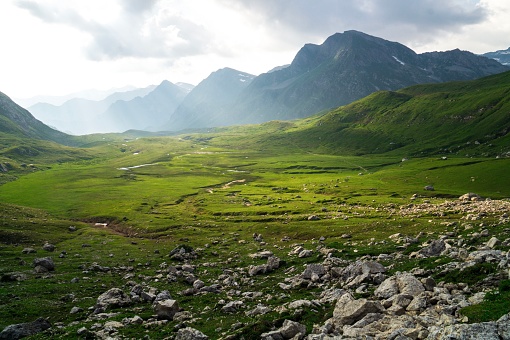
[
  {"x": 305, "y": 253},
  {"x": 28, "y": 251},
  {"x": 476, "y": 331},
  {"x": 44, "y": 262},
  {"x": 262, "y": 255},
  {"x": 18, "y": 331},
  {"x": 408, "y": 284},
  {"x": 291, "y": 329},
  {"x": 347, "y": 310},
  {"x": 259, "y": 310},
  {"x": 313, "y": 218},
  {"x": 435, "y": 248},
  {"x": 72, "y": 228},
  {"x": 429, "y": 188},
  {"x": 198, "y": 284},
  {"x": 273, "y": 263},
  {"x": 470, "y": 197},
  {"x": 232, "y": 307},
  {"x": 387, "y": 288},
  {"x": 189, "y": 333},
  {"x": 493, "y": 242},
  {"x": 313, "y": 268},
  {"x": 165, "y": 309},
  {"x": 76, "y": 310},
  {"x": 48, "y": 247},
  {"x": 113, "y": 298}
]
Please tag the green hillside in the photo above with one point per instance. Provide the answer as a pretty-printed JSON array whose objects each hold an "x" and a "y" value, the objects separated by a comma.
[{"x": 464, "y": 118}]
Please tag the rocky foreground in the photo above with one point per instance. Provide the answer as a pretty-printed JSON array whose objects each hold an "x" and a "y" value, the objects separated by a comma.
[{"x": 355, "y": 299}]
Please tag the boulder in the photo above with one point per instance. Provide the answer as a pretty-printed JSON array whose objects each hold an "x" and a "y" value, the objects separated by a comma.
[
  {"x": 435, "y": 248},
  {"x": 45, "y": 262},
  {"x": 348, "y": 311},
  {"x": 289, "y": 330},
  {"x": 112, "y": 298},
  {"x": 48, "y": 247},
  {"x": 165, "y": 309},
  {"x": 387, "y": 288},
  {"x": 189, "y": 333},
  {"x": 408, "y": 284},
  {"x": 18, "y": 331},
  {"x": 313, "y": 268}
]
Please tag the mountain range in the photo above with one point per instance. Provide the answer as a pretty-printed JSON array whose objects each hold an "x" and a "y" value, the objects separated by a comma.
[
  {"x": 346, "y": 67},
  {"x": 502, "y": 56}
]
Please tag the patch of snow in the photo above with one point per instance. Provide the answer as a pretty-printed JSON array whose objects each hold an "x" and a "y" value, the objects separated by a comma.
[
  {"x": 400, "y": 61},
  {"x": 242, "y": 80}
]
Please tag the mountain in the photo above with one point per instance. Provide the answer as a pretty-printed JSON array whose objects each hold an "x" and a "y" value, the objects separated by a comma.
[
  {"x": 465, "y": 117},
  {"x": 206, "y": 105},
  {"x": 17, "y": 122},
  {"x": 78, "y": 115},
  {"x": 149, "y": 112},
  {"x": 502, "y": 56},
  {"x": 346, "y": 67}
]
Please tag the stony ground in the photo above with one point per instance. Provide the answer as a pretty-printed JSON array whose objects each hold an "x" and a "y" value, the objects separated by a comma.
[{"x": 305, "y": 290}]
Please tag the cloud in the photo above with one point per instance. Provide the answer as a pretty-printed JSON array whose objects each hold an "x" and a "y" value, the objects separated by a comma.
[
  {"x": 404, "y": 21},
  {"x": 140, "y": 29}
]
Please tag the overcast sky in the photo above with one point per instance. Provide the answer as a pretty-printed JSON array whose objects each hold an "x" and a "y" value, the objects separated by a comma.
[{"x": 57, "y": 47}]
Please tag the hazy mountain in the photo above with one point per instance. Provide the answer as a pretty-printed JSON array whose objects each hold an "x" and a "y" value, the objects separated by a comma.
[
  {"x": 502, "y": 56},
  {"x": 347, "y": 67},
  {"x": 59, "y": 100},
  {"x": 206, "y": 105},
  {"x": 17, "y": 122},
  {"x": 80, "y": 116},
  {"x": 461, "y": 117},
  {"x": 149, "y": 112}
]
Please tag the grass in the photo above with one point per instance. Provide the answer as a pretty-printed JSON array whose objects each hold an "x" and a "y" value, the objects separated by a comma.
[{"x": 213, "y": 191}]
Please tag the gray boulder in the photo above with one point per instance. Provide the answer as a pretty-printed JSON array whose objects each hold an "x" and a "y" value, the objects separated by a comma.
[
  {"x": 166, "y": 309},
  {"x": 44, "y": 264},
  {"x": 18, "y": 331},
  {"x": 348, "y": 311},
  {"x": 435, "y": 248},
  {"x": 112, "y": 298}
]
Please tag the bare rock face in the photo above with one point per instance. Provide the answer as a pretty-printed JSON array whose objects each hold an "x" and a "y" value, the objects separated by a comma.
[
  {"x": 18, "y": 331},
  {"x": 348, "y": 311},
  {"x": 166, "y": 309}
]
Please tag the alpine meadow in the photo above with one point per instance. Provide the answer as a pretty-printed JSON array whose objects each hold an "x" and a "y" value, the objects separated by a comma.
[{"x": 338, "y": 197}]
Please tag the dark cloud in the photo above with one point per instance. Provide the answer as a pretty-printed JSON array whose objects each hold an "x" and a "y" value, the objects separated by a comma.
[{"x": 402, "y": 20}]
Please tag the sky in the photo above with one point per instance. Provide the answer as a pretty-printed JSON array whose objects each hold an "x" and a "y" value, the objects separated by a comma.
[{"x": 55, "y": 47}]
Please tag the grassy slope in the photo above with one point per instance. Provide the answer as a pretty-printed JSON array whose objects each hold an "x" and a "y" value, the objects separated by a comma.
[{"x": 284, "y": 174}]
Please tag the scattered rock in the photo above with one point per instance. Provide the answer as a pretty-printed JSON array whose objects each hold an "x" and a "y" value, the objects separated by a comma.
[
  {"x": 189, "y": 333},
  {"x": 44, "y": 264},
  {"x": 18, "y": 331}
]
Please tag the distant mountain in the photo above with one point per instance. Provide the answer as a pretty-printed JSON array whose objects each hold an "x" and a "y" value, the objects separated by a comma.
[
  {"x": 346, "y": 67},
  {"x": 149, "y": 112},
  {"x": 16, "y": 122},
  {"x": 207, "y": 104},
  {"x": 502, "y": 56},
  {"x": 468, "y": 117},
  {"x": 80, "y": 116}
]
